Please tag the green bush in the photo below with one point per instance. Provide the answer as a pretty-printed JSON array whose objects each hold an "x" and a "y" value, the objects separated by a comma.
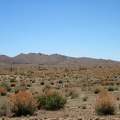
[
  {"x": 110, "y": 88},
  {"x": 52, "y": 101},
  {"x": 12, "y": 80}
]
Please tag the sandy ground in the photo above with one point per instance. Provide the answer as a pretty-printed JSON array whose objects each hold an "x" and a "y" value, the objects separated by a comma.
[{"x": 66, "y": 114}]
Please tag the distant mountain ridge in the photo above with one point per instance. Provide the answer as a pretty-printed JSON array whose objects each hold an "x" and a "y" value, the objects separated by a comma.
[{"x": 55, "y": 59}]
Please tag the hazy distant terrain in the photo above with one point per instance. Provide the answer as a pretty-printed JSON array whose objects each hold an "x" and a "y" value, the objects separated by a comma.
[{"x": 55, "y": 59}]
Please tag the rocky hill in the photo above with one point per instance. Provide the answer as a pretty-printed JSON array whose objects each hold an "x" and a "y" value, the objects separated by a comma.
[{"x": 55, "y": 59}]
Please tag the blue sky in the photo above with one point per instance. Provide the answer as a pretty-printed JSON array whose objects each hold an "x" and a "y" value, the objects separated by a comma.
[{"x": 78, "y": 28}]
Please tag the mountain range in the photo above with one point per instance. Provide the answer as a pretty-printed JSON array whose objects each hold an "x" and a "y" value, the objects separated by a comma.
[{"x": 55, "y": 59}]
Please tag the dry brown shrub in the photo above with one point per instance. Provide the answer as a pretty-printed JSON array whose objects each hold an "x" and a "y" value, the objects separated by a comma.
[
  {"x": 105, "y": 104},
  {"x": 3, "y": 91}
]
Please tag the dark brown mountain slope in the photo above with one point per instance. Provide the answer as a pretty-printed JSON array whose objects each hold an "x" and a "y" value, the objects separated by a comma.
[
  {"x": 55, "y": 59},
  {"x": 5, "y": 59},
  {"x": 32, "y": 58},
  {"x": 83, "y": 61}
]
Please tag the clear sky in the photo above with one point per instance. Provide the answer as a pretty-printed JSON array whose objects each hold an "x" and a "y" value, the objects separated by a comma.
[{"x": 77, "y": 28}]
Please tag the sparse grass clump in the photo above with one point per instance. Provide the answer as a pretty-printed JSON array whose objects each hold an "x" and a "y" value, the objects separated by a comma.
[
  {"x": 23, "y": 104},
  {"x": 74, "y": 95},
  {"x": 105, "y": 105}
]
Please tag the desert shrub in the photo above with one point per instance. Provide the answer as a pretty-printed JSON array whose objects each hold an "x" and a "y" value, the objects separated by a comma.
[
  {"x": 60, "y": 82},
  {"x": 74, "y": 95},
  {"x": 3, "y": 109},
  {"x": 47, "y": 90},
  {"x": 85, "y": 98},
  {"x": 110, "y": 88},
  {"x": 23, "y": 103},
  {"x": 83, "y": 85},
  {"x": 118, "y": 98},
  {"x": 22, "y": 84},
  {"x": 119, "y": 106},
  {"x": 97, "y": 89},
  {"x": 13, "y": 84},
  {"x": 106, "y": 82},
  {"x": 69, "y": 91},
  {"x": 68, "y": 81},
  {"x": 105, "y": 105},
  {"x": 112, "y": 83},
  {"x": 117, "y": 83},
  {"x": 66, "y": 85},
  {"x": 48, "y": 86},
  {"x": 52, "y": 101},
  {"x": 17, "y": 89},
  {"x": 4, "y": 84},
  {"x": 52, "y": 83},
  {"x": 33, "y": 81},
  {"x": 29, "y": 84},
  {"x": 84, "y": 106},
  {"x": 12, "y": 80},
  {"x": 42, "y": 83},
  {"x": 3, "y": 91}
]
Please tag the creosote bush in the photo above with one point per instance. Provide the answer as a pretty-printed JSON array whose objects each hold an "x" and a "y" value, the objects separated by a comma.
[
  {"x": 52, "y": 101},
  {"x": 23, "y": 103},
  {"x": 105, "y": 105}
]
